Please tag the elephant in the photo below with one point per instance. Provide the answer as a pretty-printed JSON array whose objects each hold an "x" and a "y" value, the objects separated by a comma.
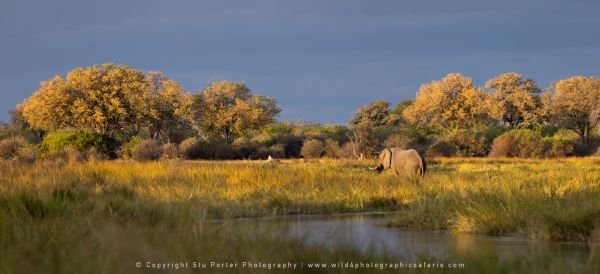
[{"x": 406, "y": 162}]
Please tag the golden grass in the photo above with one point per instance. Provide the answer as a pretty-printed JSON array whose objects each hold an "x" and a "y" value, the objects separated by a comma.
[{"x": 59, "y": 215}]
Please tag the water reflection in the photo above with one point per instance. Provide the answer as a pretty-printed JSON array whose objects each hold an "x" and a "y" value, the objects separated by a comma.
[{"x": 367, "y": 233}]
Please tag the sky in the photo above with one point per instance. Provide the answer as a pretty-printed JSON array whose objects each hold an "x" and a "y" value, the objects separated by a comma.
[{"x": 320, "y": 59}]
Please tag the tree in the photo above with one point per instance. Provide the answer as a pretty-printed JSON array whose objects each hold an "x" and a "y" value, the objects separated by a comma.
[
  {"x": 108, "y": 99},
  {"x": 515, "y": 100},
  {"x": 362, "y": 140},
  {"x": 451, "y": 102},
  {"x": 18, "y": 120},
  {"x": 376, "y": 112},
  {"x": 49, "y": 108},
  {"x": 168, "y": 106},
  {"x": 396, "y": 116},
  {"x": 574, "y": 103},
  {"x": 230, "y": 109}
]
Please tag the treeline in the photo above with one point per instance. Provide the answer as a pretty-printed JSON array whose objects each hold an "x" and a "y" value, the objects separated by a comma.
[{"x": 109, "y": 111}]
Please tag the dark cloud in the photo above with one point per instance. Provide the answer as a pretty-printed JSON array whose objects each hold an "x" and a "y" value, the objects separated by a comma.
[{"x": 320, "y": 59}]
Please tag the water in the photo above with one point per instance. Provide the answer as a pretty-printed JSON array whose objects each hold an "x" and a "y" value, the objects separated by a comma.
[{"x": 367, "y": 234}]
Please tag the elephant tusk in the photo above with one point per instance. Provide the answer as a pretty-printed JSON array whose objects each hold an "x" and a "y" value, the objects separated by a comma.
[{"x": 372, "y": 168}]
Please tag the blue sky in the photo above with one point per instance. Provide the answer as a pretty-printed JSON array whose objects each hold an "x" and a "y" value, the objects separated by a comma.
[{"x": 320, "y": 59}]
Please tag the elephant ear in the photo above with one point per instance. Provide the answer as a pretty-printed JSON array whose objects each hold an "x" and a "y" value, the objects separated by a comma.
[{"x": 387, "y": 156}]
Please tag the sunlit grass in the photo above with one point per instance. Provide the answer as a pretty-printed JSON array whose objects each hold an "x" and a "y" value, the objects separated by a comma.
[{"x": 100, "y": 216}]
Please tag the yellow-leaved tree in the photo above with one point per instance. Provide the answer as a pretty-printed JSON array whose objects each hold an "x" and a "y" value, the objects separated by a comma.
[
  {"x": 451, "y": 102},
  {"x": 108, "y": 99},
  {"x": 574, "y": 103},
  {"x": 230, "y": 109},
  {"x": 169, "y": 107},
  {"x": 515, "y": 100}
]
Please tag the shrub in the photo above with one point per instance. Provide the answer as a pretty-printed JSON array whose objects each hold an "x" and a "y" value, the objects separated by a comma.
[
  {"x": 58, "y": 141},
  {"x": 346, "y": 151},
  {"x": 292, "y": 145},
  {"x": 312, "y": 149},
  {"x": 461, "y": 142},
  {"x": 557, "y": 146},
  {"x": 519, "y": 143},
  {"x": 191, "y": 148},
  {"x": 331, "y": 148},
  {"x": 170, "y": 151},
  {"x": 28, "y": 153},
  {"x": 441, "y": 148},
  {"x": 147, "y": 150},
  {"x": 275, "y": 151},
  {"x": 126, "y": 149},
  {"x": 9, "y": 147},
  {"x": 219, "y": 149},
  {"x": 468, "y": 143},
  {"x": 245, "y": 148}
]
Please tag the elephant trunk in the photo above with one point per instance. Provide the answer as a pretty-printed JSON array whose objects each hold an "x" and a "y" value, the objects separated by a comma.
[{"x": 377, "y": 168}]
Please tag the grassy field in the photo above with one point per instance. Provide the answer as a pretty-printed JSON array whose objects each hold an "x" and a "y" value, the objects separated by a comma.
[{"x": 100, "y": 217}]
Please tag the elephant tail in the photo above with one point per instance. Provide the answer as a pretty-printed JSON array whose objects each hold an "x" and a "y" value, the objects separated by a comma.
[{"x": 423, "y": 167}]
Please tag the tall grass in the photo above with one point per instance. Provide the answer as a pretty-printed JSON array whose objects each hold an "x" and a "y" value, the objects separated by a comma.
[
  {"x": 542, "y": 199},
  {"x": 102, "y": 216}
]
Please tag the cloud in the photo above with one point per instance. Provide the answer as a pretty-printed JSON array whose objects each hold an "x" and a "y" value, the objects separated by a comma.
[{"x": 319, "y": 59}]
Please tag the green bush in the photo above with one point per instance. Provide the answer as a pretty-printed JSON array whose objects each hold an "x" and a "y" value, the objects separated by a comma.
[{"x": 57, "y": 142}]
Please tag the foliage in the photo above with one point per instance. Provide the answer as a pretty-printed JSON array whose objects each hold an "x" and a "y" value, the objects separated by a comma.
[
  {"x": 396, "y": 115},
  {"x": 104, "y": 99},
  {"x": 57, "y": 142},
  {"x": 377, "y": 113},
  {"x": 147, "y": 150},
  {"x": 169, "y": 107},
  {"x": 363, "y": 141},
  {"x": 191, "y": 148},
  {"x": 529, "y": 143},
  {"x": 9, "y": 147},
  {"x": 331, "y": 148},
  {"x": 451, "y": 102},
  {"x": 108, "y": 99},
  {"x": 28, "y": 153},
  {"x": 126, "y": 149},
  {"x": 229, "y": 109},
  {"x": 312, "y": 149},
  {"x": 515, "y": 100},
  {"x": 518, "y": 143},
  {"x": 574, "y": 103},
  {"x": 460, "y": 142},
  {"x": 398, "y": 140}
]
